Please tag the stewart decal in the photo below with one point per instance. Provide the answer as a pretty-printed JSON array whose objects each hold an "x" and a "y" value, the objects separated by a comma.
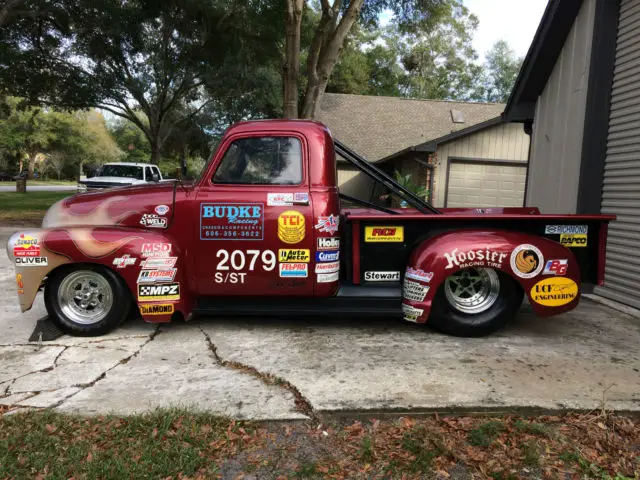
[
  {"x": 231, "y": 221},
  {"x": 328, "y": 224}
]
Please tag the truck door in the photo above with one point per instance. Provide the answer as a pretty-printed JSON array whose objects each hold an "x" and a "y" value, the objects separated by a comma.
[{"x": 254, "y": 225}]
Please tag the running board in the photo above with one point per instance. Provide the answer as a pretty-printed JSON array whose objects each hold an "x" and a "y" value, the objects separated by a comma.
[{"x": 350, "y": 300}]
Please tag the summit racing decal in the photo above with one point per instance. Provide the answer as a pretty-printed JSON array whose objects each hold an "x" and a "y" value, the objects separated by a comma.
[
  {"x": 383, "y": 234},
  {"x": 328, "y": 224},
  {"x": 526, "y": 261},
  {"x": 231, "y": 221},
  {"x": 159, "y": 292},
  {"x": 554, "y": 292},
  {"x": 26, "y": 246},
  {"x": 157, "y": 309},
  {"x": 474, "y": 258},
  {"x": 562, "y": 229}
]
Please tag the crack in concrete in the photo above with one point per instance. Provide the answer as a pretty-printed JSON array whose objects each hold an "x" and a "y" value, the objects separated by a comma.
[
  {"x": 302, "y": 404},
  {"x": 55, "y": 360}
]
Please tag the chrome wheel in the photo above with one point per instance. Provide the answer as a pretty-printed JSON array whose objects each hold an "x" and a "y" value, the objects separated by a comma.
[
  {"x": 85, "y": 297},
  {"x": 473, "y": 290}
]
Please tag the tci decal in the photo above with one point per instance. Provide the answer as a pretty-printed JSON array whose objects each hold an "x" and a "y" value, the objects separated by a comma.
[
  {"x": 291, "y": 227},
  {"x": 383, "y": 234},
  {"x": 327, "y": 256},
  {"x": 474, "y": 258},
  {"x": 231, "y": 221},
  {"x": 556, "y": 267}
]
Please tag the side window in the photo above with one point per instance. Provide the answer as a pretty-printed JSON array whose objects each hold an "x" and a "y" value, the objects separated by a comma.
[
  {"x": 148, "y": 173},
  {"x": 261, "y": 161}
]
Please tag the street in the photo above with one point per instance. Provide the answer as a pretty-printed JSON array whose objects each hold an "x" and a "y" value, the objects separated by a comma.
[{"x": 40, "y": 188}]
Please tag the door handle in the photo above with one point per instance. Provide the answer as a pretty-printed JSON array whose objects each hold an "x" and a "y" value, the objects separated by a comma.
[{"x": 301, "y": 202}]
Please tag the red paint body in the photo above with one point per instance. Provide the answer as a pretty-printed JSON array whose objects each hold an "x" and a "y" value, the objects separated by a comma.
[{"x": 100, "y": 227}]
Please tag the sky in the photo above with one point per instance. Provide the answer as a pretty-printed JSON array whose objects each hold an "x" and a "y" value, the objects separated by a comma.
[{"x": 515, "y": 21}]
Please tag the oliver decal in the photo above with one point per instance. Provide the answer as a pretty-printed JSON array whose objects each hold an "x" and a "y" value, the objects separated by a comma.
[
  {"x": 383, "y": 234},
  {"x": 554, "y": 292},
  {"x": 291, "y": 227},
  {"x": 231, "y": 221}
]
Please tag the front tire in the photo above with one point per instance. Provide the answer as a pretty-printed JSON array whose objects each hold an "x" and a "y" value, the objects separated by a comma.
[
  {"x": 86, "y": 300},
  {"x": 475, "y": 302}
]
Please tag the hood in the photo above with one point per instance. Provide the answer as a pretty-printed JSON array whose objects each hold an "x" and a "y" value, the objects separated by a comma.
[
  {"x": 120, "y": 180},
  {"x": 145, "y": 206}
]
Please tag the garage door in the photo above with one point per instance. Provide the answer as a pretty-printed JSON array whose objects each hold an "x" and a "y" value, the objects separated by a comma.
[{"x": 484, "y": 183}]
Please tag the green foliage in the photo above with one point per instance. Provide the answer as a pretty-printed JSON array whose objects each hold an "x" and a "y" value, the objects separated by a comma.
[
  {"x": 532, "y": 428},
  {"x": 500, "y": 72},
  {"x": 407, "y": 182},
  {"x": 418, "y": 442},
  {"x": 484, "y": 435}
]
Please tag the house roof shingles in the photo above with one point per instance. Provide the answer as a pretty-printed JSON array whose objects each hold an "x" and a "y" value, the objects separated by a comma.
[{"x": 377, "y": 127}]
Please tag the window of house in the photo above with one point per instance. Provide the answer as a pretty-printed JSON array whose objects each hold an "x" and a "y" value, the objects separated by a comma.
[{"x": 261, "y": 161}]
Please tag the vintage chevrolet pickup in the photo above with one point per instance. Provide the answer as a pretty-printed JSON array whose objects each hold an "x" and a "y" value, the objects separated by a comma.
[{"x": 263, "y": 232}]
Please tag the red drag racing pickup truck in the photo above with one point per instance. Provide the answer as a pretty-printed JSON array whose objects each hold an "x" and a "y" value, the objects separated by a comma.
[{"x": 263, "y": 232}]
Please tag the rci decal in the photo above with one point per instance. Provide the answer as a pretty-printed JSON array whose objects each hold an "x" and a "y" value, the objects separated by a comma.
[
  {"x": 291, "y": 227},
  {"x": 158, "y": 309},
  {"x": 554, "y": 292},
  {"x": 287, "y": 255},
  {"x": 384, "y": 234},
  {"x": 573, "y": 240},
  {"x": 159, "y": 292},
  {"x": 527, "y": 261}
]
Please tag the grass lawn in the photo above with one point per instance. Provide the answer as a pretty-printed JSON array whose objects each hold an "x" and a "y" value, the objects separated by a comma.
[
  {"x": 42, "y": 182},
  {"x": 27, "y": 208},
  {"x": 185, "y": 445}
]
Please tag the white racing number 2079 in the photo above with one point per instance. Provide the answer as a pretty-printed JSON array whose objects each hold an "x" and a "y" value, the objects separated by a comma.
[{"x": 239, "y": 260}]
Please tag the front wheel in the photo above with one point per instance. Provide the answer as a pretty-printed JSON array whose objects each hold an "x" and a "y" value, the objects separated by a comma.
[
  {"x": 86, "y": 300},
  {"x": 475, "y": 302}
]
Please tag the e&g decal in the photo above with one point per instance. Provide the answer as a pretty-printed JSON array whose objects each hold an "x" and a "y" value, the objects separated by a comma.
[
  {"x": 554, "y": 292},
  {"x": 556, "y": 267},
  {"x": 383, "y": 234},
  {"x": 573, "y": 240},
  {"x": 526, "y": 261},
  {"x": 231, "y": 221}
]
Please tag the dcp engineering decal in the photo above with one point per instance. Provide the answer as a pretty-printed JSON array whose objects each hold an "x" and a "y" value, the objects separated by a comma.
[
  {"x": 231, "y": 221},
  {"x": 159, "y": 292},
  {"x": 527, "y": 261},
  {"x": 554, "y": 292}
]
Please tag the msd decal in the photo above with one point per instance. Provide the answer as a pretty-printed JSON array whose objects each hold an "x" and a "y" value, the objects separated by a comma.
[
  {"x": 328, "y": 256},
  {"x": 159, "y": 292},
  {"x": 157, "y": 276},
  {"x": 474, "y": 258},
  {"x": 328, "y": 243},
  {"x": 556, "y": 267},
  {"x": 26, "y": 246},
  {"x": 383, "y": 234},
  {"x": 328, "y": 224},
  {"x": 299, "y": 270},
  {"x": 526, "y": 261},
  {"x": 124, "y": 261},
  {"x": 155, "y": 250},
  {"x": 231, "y": 221}
]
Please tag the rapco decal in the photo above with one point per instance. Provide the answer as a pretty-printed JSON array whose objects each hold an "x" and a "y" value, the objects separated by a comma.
[
  {"x": 414, "y": 291},
  {"x": 383, "y": 234},
  {"x": 573, "y": 240},
  {"x": 155, "y": 250},
  {"x": 526, "y": 261},
  {"x": 32, "y": 261},
  {"x": 411, "y": 314},
  {"x": 151, "y": 220},
  {"x": 280, "y": 199},
  {"x": 554, "y": 292},
  {"x": 286, "y": 255},
  {"x": 157, "y": 309},
  {"x": 328, "y": 256},
  {"x": 418, "y": 274},
  {"x": 124, "y": 261},
  {"x": 231, "y": 221},
  {"x": 327, "y": 277},
  {"x": 161, "y": 209},
  {"x": 556, "y": 267},
  {"x": 328, "y": 224},
  {"x": 291, "y": 227},
  {"x": 382, "y": 276},
  {"x": 474, "y": 258},
  {"x": 561, "y": 229},
  {"x": 159, "y": 262},
  {"x": 328, "y": 243},
  {"x": 298, "y": 270},
  {"x": 26, "y": 246},
  {"x": 157, "y": 276},
  {"x": 327, "y": 267},
  {"x": 159, "y": 292}
]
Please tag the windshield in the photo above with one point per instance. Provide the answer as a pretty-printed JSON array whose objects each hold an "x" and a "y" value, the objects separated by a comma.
[{"x": 126, "y": 171}]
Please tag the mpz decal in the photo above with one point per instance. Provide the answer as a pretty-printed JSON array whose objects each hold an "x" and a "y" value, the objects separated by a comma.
[
  {"x": 124, "y": 261},
  {"x": 157, "y": 276},
  {"x": 291, "y": 227},
  {"x": 328, "y": 256},
  {"x": 157, "y": 309},
  {"x": 411, "y": 314},
  {"x": 562, "y": 229},
  {"x": 159, "y": 292},
  {"x": 474, "y": 258},
  {"x": 554, "y": 292},
  {"x": 526, "y": 261},
  {"x": 382, "y": 276},
  {"x": 294, "y": 255},
  {"x": 32, "y": 261},
  {"x": 556, "y": 267},
  {"x": 328, "y": 243},
  {"x": 231, "y": 221},
  {"x": 151, "y": 220},
  {"x": 297, "y": 270},
  {"x": 383, "y": 234},
  {"x": 418, "y": 274},
  {"x": 414, "y": 291},
  {"x": 328, "y": 224},
  {"x": 573, "y": 240},
  {"x": 327, "y": 277}
]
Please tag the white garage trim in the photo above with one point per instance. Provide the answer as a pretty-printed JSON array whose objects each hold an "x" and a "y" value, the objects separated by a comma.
[{"x": 482, "y": 162}]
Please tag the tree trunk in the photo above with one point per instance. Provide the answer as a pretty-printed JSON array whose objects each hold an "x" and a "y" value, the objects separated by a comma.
[
  {"x": 291, "y": 67},
  {"x": 31, "y": 165}
]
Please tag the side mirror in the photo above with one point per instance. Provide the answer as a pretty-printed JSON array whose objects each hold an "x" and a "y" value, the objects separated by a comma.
[{"x": 155, "y": 177}]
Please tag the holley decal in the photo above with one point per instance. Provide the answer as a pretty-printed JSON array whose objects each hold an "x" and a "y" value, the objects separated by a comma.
[{"x": 231, "y": 221}]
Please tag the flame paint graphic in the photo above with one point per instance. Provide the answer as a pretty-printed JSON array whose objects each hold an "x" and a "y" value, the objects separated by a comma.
[
  {"x": 90, "y": 247},
  {"x": 61, "y": 216}
]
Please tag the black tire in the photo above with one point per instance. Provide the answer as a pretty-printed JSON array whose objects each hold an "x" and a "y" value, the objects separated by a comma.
[
  {"x": 445, "y": 318},
  {"x": 115, "y": 315}
]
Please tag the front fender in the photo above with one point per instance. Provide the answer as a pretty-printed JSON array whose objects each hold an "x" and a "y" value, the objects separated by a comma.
[
  {"x": 521, "y": 256},
  {"x": 120, "y": 249}
]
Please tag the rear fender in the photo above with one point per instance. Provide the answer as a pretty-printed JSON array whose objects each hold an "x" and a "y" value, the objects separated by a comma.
[
  {"x": 437, "y": 258},
  {"x": 117, "y": 248}
]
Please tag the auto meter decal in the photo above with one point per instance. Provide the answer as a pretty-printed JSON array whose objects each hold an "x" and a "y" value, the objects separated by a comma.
[
  {"x": 26, "y": 246},
  {"x": 383, "y": 234},
  {"x": 287, "y": 255},
  {"x": 231, "y": 221},
  {"x": 291, "y": 227},
  {"x": 554, "y": 292},
  {"x": 526, "y": 261}
]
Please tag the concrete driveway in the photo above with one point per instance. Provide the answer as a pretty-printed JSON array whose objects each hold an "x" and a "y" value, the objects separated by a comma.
[{"x": 269, "y": 368}]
